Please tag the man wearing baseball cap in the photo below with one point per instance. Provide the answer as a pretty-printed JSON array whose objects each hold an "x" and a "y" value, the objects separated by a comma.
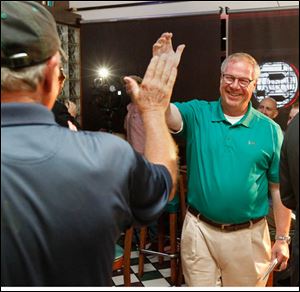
[{"x": 65, "y": 195}]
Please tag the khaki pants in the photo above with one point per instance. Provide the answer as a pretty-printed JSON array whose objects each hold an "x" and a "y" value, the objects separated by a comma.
[{"x": 212, "y": 257}]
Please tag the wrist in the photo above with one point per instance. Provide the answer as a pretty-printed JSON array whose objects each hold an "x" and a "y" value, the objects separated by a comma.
[
  {"x": 283, "y": 238},
  {"x": 153, "y": 115}
]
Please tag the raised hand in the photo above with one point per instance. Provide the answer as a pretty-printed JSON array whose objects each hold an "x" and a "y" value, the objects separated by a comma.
[
  {"x": 164, "y": 46},
  {"x": 72, "y": 127},
  {"x": 156, "y": 89}
]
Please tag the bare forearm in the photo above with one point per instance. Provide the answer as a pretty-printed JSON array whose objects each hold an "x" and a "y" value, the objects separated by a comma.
[
  {"x": 282, "y": 218},
  {"x": 173, "y": 118},
  {"x": 282, "y": 214},
  {"x": 160, "y": 147}
]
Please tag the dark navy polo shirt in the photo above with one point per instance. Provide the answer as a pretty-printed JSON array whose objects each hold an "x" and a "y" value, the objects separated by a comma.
[{"x": 65, "y": 198}]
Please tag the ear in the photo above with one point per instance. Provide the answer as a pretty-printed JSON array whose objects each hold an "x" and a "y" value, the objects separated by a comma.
[{"x": 51, "y": 84}]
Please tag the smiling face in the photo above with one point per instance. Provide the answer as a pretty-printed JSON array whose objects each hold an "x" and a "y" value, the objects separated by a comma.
[{"x": 235, "y": 98}]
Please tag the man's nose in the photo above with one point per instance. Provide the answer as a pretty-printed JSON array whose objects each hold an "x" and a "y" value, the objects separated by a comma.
[{"x": 235, "y": 83}]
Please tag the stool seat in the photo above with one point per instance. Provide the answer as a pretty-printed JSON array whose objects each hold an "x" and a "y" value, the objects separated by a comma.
[
  {"x": 118, "y": 252},
  {"x": 173, "y": 206},
  {"x": 119, "y": 257}
]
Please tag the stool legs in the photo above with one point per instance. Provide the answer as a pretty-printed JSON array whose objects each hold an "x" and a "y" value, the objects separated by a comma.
[
  {"x": 161, "y": 238},
  {"x": 143, "y": 237},
  {"x": 127, "y": 252},
  {"x": 172, "y": 254}
]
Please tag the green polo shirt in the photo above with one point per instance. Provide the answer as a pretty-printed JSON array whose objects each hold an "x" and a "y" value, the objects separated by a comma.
[{"x": 229, "y": 166}]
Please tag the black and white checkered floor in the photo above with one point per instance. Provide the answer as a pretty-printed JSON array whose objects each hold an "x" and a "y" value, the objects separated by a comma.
[{"x": 155, "y": 274}]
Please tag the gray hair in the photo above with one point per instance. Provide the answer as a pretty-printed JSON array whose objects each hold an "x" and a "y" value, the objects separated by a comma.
[
  {"x": 242, "y": 56},
  {"x": 270, "y": 99},
  {"x": 24, "y": 79}
]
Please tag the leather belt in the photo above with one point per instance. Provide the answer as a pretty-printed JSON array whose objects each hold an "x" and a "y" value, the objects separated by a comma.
[{"x": 225, "y": 227}]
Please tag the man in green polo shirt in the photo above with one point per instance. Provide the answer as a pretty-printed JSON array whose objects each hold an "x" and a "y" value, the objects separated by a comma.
[{"x": 232, "y": 159}]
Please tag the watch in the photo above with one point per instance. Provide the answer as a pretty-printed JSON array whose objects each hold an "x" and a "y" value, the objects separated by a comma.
[{"x": 284, "y": 238}]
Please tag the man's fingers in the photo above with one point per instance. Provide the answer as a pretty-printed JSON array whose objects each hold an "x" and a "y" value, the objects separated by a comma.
[
  {"x": 72, "y": 127},
  {"x": 164, "y": 64},
  {"x": 168, "y": 65},
  {"x": 160, "y": 67},
  {"x": 172, "y": 62},
  {"x": 163, "y": 44},
  {"x": 179, "y": 51},
  {"x": 151, "y": 69},
  {"x": 156, "y": 49},
  {"x": 132, "y": 86},
  {"x": 172, "y": 80}
]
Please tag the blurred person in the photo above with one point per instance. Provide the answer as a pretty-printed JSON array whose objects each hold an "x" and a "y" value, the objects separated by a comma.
[
  {"x": 293, "y": 112},
  {"x": 62, "y": 114},
  {"x": 289, "y": 186},
  {"x": 65, "y": 196},
  {"x": 72, "y": 107},
  {"x": 232, "y": 158},
  {"x": 268, "y": 106},
  {"x": 133, "y": 122}
]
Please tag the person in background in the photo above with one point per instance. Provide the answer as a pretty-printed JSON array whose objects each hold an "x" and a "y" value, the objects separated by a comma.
[
  {"x": 293, "y": 112},
  {"x": 61, "y": 112},
  {"x": 135, "y": 135},
  {"x": 133, "y": 122},
  {"x": 65, "y": 196},
  {"x": 289, "y": 186},
  {"x": 232, "y": 158},
  {"x": 268, "y": 106},
  {"x": 72, "y": 107}
]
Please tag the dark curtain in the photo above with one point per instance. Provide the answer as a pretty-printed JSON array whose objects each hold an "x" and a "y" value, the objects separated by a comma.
[
  {"x": 269, "y": 36},
  {"x": 126, "y": 47}
]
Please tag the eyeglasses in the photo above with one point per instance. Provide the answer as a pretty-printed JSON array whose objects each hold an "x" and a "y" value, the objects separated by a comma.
[{"x": 229, "y": 79}]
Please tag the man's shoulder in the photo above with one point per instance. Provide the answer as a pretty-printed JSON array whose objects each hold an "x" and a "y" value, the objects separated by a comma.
[
  {"x": 102, "y": 138},
  {"x": 263, "y": 119},
  {"x": 196, "y": 104}
]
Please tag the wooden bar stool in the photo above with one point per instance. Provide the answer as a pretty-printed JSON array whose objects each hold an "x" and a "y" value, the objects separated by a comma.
[
  {"x": 122, "y": 257},
  {"x": 171, "y": 211}
]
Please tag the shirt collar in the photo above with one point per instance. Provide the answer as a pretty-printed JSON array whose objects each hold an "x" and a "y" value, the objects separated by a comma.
[
  {"x": 218, "y": 115},
  {"x": 25, "y": 114}
]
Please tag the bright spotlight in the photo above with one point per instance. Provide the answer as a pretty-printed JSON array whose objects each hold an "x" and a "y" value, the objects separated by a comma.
[{"x": 103, "y": 72}]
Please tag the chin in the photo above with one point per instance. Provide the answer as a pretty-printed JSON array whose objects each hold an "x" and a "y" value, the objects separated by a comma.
[{"x": 233, "y": 102}]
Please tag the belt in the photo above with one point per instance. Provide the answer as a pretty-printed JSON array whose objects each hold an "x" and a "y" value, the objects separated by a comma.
[{"x": 225, "y": 227}]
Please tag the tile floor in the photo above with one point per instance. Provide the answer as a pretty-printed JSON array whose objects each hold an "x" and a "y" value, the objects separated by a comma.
[{"x": 155, "y": 275}]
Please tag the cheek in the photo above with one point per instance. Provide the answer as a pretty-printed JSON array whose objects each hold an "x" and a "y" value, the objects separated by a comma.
[
  {"x": 248, "y": 93},
  {"x": 222, "y": 88}
]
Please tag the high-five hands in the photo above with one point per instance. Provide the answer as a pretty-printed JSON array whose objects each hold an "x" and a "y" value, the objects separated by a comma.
[
  {"x": 164, "y": 46},
  {"x": 155, "y": 91}
]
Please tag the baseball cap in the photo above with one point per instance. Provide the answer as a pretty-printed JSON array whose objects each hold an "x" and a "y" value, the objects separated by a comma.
[{"x": 28, "y": 34}]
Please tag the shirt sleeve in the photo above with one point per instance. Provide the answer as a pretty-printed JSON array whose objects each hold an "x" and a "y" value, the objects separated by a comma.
[
  {"x": 150, "y": 187},
  {"x": 273, "y": 173},
  {"x": 289, "y": 166}
]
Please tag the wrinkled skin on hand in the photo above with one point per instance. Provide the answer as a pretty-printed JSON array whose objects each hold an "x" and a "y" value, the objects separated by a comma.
[{"x": 155, "y": 91}]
